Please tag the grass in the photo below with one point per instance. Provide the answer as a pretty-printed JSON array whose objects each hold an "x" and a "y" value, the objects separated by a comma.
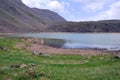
[{"x": 55, "y": 67}]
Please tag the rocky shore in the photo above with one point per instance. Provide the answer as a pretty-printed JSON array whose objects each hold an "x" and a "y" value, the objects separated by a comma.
[
  {"x": 53, "y": 50},
  {"x": 37, "y": 45}
]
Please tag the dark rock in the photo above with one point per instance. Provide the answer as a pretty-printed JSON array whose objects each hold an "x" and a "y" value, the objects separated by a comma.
[
  {"x": 18, "y": 65},
  {"x": 41, "y": 54},
  {"x": 44, "y": 55},
  {"x": 34, "y": 53},
  {"x": 117, "y": 55},
  {"x": 117, "y": 74},
  {"x": 15, "y": 66},
  {"x": 32, "y": 65},
  {"x": 42, "y": 74},
  {"x": 22, "y": 65},
  {"x": 48, "y": 76},
  {"x": 3, "y": 48},
  {"x": 31, "y": 73}
]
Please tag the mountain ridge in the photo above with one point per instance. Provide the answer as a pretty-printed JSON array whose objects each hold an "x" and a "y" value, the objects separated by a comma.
[
  {"x": 20, "y": 18},
  {"x": 16, "y": 17},
  {"x": 87, "y": 26}
]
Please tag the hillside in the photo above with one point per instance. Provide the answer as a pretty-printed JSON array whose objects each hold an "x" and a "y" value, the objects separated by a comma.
[
  {"x": 48, "y": 16},
  {"x": 90, "y": 26},
  {"x": 17, "y": 17}
]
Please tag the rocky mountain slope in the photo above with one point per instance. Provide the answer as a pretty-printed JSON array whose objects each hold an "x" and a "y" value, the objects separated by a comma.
[
  {"x": 17, "y": 17},
  {"x": 90, "y": 26}
]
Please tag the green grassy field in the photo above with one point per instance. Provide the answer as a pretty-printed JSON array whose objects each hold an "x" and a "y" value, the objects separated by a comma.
[{"x": 55, "y": 67}]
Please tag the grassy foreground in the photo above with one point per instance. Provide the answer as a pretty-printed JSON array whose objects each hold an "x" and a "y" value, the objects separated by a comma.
[{"x": 54, "y": 67}]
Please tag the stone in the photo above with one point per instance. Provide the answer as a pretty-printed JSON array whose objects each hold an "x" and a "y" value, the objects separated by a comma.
[
  {"x": 41, "y": 54},
  {"x": 15, "y": 66},
  {"x": 117, "y": 55},
  {"x": 18, "y": 65},
  {"x": 34, "y": 53},
  {"x": 86, "y": 61},
  {"x": 31, "y": 73},
  {"x": 44, "y": 55},
  {"x": 101, "y": 58},
  {"x": 22, "y": 65},
  {"x": 3, "y": 48},
  {"x": 32, "y": 65},
  {"x": 42, "y": 74}
]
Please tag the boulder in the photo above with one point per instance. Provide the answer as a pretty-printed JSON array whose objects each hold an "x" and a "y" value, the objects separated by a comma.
[
  {"x": 31, "y": 73},
  {"x": 34, "y": 53},
  {"x": 41, "y": 54},
  {"x": 44, "y": 55},
  {"x": 117, "y": 55},
  {"x": 32, "y": 65},
  {"x": 22, "y": 65},
  {"x": 42, "y": 74},
  {"x": 3, "y": 48},
  {"x": 15, "y": 66},
  {"x": 18, "y": 65}
]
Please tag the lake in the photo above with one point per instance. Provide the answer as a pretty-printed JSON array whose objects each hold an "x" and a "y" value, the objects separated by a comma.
[{"x": 81, "y": 40}]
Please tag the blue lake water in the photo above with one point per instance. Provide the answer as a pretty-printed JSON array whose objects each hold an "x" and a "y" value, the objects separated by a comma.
[{"x": 81, "y": 40}]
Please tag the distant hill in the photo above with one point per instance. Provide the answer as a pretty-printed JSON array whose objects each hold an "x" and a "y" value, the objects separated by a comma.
[
  {"x": 17, "y": 17},
  {"x": 89, "y": 26}
]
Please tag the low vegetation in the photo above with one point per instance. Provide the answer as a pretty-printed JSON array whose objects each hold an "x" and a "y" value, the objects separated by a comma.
[
  {"x": 91, "y": 26},
  {"x": 18, "y": 64}
]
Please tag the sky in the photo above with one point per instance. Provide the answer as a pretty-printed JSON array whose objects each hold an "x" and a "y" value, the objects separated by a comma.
[{"x": 80, "y": 10}]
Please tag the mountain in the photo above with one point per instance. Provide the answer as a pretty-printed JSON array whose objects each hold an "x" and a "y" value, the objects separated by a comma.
[
  {"x": 89, "y": 26},
  {"x": 48, "y": 16},
  {"x": 17, "y": 17}
]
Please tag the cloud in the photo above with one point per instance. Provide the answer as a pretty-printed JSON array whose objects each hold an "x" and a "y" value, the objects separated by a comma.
[
  {"x": 112, "y": 13},
  {"x": 93, "y": 5},
  {"x": 80, "y": 10},
  {"x": 86, "y": 1},
  {"x": 54, "y": 5}
]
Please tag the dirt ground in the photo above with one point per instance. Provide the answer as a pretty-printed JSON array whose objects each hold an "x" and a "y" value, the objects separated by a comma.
[
  {"x": 53, "y": 50},
  {"x": 36, "y": 45}
]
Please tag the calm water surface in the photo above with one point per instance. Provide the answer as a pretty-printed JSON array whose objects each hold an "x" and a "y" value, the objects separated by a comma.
[{"x": 81, "y": 40}]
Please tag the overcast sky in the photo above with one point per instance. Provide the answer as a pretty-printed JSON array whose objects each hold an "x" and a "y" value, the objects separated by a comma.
[{"x": 80, "y": 10}]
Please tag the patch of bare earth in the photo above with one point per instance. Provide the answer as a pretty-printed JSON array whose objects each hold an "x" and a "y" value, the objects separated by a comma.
[
  {"x": 36, "y": 45},
  {"x": 53, "y": 50}
]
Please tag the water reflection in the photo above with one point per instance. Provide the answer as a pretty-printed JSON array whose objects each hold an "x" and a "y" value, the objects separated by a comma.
[{"x": 79, "y": 40}]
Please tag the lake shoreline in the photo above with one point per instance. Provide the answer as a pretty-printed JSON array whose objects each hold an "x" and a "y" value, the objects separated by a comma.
[
  {"x": 55, "y": 63},
  {"x": 63, "y": 32},
  {"x": 52, "y": 50},
  {"x": 38, "y": 47}
]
